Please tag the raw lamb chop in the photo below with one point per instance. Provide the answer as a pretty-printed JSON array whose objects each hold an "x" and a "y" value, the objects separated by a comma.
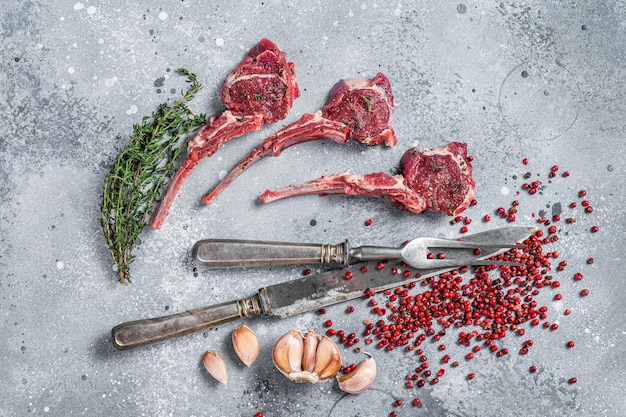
[
  {"x": 357, "y": 109},
  {"x": 435, "y": 179},
  {"x": 261, "y": 89}
]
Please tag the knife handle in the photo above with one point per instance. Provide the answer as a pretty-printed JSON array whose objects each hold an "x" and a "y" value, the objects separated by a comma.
[
  {"x": 144, "y": 332},
  {"x": 226, "y": 253}
]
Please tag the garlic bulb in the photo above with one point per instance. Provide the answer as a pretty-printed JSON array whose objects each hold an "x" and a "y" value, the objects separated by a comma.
[
  {"x": 245, "y": 344},
  {"x": 360, "y": 379},
  {"x": 215, "y": 365},
  {"x": 308, "y": 358}
]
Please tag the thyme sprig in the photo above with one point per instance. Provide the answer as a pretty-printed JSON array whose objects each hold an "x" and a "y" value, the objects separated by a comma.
[{"x": 141, "y": 170}]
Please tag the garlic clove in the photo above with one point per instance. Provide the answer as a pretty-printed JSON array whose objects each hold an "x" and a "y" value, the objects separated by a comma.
[
  {"x": 215, "y": 365},
  {"x": 360, "y": 379},
  {"x": 327, "y": 359},
  {"x": 311, "y": 340},
  {"x": 245, "y": 344},
  {"x": 287, "y": 353}
]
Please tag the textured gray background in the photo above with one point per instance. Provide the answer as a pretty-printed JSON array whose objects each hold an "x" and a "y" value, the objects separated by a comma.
[{"x": 543, "y": 80}]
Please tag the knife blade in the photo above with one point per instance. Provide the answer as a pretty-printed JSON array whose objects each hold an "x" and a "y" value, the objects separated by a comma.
[{"x": 293, "y": 297}]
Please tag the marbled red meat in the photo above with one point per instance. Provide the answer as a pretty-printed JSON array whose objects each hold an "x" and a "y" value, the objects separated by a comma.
[
  {"x": 443, "y": 177},
  {"x": 356, "y": 109},
  {"x": 432, "y": 179},
  {"x": 260, "y": 90}
]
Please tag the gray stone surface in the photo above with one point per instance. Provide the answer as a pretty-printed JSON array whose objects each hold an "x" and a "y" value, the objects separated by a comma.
[{"x": 542, "y": 80}]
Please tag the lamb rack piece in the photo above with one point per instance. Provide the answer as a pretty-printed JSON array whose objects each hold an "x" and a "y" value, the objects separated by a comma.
[
  {"x": 261, "y": 89},
  {"x": 356, "y": 109},
  {"x": 439, "y": 180}
]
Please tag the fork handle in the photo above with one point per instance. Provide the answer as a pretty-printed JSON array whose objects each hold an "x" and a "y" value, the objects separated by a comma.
[{"x": 228, "y": 253}]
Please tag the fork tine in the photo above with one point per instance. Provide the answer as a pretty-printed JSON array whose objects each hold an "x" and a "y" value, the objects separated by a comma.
[
  {"x": 444, "y": 263},
  {"x": 498, "y": 245},
  {"x": 448, "y": 243}
]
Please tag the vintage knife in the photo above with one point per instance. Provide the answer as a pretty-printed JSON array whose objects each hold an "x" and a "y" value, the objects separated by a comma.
[{"x": 292, "y": 297}]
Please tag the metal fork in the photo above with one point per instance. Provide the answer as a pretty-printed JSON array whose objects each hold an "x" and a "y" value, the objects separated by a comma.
[
  {"x": 419, "y": 253},
  {"x": 220, "y": 253}
]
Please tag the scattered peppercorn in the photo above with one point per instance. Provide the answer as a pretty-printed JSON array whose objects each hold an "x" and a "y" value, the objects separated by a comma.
[{"x": 490, "y": 306}]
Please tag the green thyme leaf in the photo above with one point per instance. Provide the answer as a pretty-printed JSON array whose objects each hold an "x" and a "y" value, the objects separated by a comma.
[{"x": 366, "y": 100}]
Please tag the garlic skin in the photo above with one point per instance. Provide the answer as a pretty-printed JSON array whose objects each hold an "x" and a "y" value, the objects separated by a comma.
[
  {"x": 327, "y": 359},
  {"x": 287, "y": 353},
  {"x": 309, "y": 358},
  {"x": 360, "y": 379},
  {"x": 245, "y": 344},
  {"x": 311, "y": 341},
  {"x": 215, "y": 365}
]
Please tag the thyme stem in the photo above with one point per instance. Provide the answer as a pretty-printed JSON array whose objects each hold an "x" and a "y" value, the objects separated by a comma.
[{"x": 141, "y": 170}]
